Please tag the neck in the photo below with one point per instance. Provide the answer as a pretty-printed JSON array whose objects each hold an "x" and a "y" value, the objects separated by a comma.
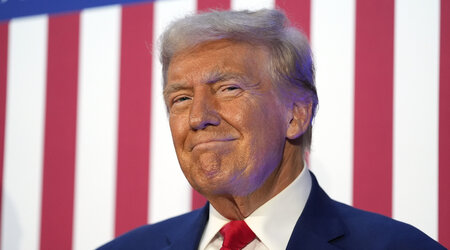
[{"x": 240, "y": 207}]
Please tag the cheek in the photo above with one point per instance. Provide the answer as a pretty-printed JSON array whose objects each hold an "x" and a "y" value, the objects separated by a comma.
[
  {"x": 267, "y": 131},
  {"x": 266, "y": 124},
  {"x": 178, "y": 130}
]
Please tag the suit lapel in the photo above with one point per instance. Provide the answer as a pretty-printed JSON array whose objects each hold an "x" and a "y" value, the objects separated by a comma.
[
  {"x": 188, "y": 234},
  {"x": 319, "y": 223}
]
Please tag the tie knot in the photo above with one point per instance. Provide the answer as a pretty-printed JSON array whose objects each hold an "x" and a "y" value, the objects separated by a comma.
[{"x": 236, "y": 235}]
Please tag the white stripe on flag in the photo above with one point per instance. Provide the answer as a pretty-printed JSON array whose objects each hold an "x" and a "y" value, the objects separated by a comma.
[
  {"x": 332, "y": 148},
  {"x": 252, "y": 5},
  {"x": 416, "y": 81},
  {"x": 25, "y": 111},
  {"x": 97, "y": 126},
  {"x": 170, "y": 193}
]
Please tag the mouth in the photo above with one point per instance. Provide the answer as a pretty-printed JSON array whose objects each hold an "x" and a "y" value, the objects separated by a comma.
[{"x": 211, "y": 144}]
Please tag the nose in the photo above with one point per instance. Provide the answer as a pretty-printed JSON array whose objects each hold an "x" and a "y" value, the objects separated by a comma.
[{"x": 203, "y": 112}]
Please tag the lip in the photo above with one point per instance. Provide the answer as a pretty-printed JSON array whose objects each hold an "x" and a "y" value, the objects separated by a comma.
[{"x": 210, "y": 143}]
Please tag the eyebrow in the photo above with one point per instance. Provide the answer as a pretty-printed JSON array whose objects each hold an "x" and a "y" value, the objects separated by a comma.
[
  {"x": 220, "y": 76},
  {"x": 168, "y": 89}
]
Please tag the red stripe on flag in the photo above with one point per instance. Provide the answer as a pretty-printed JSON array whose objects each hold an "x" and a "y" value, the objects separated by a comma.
[
  {"x": 3, "y": 77},
  {"x": 298, "y": 12},
  {"x": 373, "y": 122},
  {"x": 444, "y": 125},
  {"x": 60, "y": 132},
  {"x": 205, "y": 5},
  {"x": 134, "y": 117},
  {"x": 198, "y": 200}
]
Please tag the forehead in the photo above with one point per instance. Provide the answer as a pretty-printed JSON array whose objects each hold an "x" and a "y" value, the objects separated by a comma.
[{"x": 218, "y": 57}]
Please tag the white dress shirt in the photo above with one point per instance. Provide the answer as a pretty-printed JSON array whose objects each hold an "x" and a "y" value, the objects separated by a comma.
[{"x": 272, "y": 223}]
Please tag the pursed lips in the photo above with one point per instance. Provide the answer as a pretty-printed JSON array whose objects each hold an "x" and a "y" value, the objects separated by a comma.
[{"x": 209, "y": 142}]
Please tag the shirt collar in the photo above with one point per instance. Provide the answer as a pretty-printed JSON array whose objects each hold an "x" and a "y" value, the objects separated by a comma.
[{"x": 274, "y": 221}]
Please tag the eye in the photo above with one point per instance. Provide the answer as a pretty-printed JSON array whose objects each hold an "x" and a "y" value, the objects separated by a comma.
[
  {"x": 229, "y": 88},
  {"x": 180, "y": 99}
]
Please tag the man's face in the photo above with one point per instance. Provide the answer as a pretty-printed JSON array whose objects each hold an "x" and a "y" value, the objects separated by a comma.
[{"x": 228, "y": 123}]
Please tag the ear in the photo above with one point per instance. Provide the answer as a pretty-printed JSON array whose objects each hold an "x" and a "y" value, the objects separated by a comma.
[{"x": 300, "y": 119}]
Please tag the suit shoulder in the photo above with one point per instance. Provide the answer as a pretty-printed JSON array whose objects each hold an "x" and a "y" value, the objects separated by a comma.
[
  {"x": 153, "y": 236},
  {"x": 382, "y": 232}
]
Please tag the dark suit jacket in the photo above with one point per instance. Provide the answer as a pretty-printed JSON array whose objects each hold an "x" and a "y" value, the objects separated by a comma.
[{"x": 324, "y": 224}]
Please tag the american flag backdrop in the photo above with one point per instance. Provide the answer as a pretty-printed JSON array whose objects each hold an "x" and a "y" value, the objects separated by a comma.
[{"x": 85, "y": 147}]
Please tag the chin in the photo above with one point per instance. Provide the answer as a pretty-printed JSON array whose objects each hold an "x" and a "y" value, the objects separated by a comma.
[{"x": 226, "y": 189}]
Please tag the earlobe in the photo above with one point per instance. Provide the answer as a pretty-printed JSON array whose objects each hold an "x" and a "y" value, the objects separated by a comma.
[{"x": 300, "y": 119}]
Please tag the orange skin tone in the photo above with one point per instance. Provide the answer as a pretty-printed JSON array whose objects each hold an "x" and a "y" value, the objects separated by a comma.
[{"x": 231, "y": 130}]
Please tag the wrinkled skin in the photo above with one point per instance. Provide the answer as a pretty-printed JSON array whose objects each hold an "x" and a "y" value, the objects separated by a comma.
[{"x": 230, "y": 128}]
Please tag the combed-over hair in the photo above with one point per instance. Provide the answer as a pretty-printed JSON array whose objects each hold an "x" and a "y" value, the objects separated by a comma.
[{"x": 291, "y": 65}]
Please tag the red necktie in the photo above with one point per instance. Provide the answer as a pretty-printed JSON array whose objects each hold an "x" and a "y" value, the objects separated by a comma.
[{"x": 236, "y": 235}]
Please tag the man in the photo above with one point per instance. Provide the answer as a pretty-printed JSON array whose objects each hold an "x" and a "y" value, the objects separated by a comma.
[{"x": 240, "y": 93}]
